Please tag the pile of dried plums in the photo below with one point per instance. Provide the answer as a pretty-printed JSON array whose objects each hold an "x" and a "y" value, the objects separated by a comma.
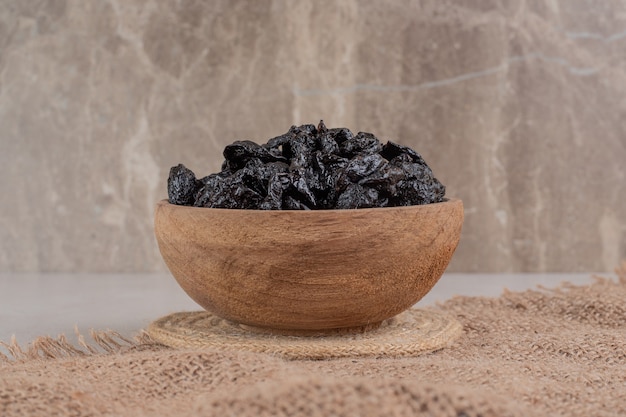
[{"x": 311, "y": 168}]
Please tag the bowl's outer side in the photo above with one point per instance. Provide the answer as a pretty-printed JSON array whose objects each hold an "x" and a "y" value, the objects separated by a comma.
[{"x": 308, "y": 269}]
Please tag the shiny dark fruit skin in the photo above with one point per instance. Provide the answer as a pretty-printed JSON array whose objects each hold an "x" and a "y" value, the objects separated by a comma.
[{"x": 311, "y": 168}]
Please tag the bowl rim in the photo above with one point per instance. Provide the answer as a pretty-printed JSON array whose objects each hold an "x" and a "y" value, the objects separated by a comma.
[{"x": 446, "y": 201}]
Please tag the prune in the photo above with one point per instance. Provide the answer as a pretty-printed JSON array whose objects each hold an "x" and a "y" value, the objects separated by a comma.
[
  {"x": 418, "y": 186},
  {"x": 275, "y": 145},
  {"x": 385, "y": 179},
  {"x": 182, "y": 185},
  {"x": 327, "y": 144},
  {"x": 362, "y": 166},
  {"x": 239, "y": 153},
  {"x": 357, "y": 196},
  {"x": 309, "y": 168},
  {"x": 365, "y": 143},
  {"x": 391, "y": 150},
  {"x": 310, "y": 130},
  {"x": 277, "y": 184},
  {"x": 300, "y": 188},
  {"x": 210, "y": 183},
  {"x": 300, "y": 150},
  {"x": 291, "y": 203},
  {"x": 340, "y": 134},
  {"x": 328, "y": 169},
  {"x": 229, "y": 193}
]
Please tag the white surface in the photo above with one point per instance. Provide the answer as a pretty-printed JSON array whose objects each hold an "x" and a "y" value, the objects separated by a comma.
[{"x": 33, "y": 305}]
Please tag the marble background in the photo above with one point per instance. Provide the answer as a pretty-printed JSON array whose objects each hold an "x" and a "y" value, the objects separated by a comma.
[{"x": 519, "y": 107}]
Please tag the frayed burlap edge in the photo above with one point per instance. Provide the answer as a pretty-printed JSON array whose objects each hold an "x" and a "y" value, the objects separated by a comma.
[
  {"x": 47, "y": 347},
  {"x": 411, "y": 333}
]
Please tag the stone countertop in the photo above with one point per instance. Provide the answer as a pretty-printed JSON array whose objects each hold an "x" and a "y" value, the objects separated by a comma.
[{"x": 34, "y": 305}]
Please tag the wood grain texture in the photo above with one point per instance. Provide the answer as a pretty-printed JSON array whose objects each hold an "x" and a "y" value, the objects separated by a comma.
[{"x": 309, "y": 270}]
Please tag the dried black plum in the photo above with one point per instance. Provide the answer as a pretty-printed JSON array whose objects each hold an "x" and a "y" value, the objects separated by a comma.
[
  {"x": 275, "y": 145},
  {"x": 327, "y": 144},
  {"x": 276, "y": 187},
  {"x": 300, "y": 150},
  {"x": 419, "y": 186},
  {"x": 391, "y": 150},
  {"x": 357, "y": 196},
  {"x": 385, "y": 179},
  {"x": 361, "y": 143},
  {"x": 362, "y": 166},
  {"x": 328, "y": 169},
  {"x": 230, "y": 193},
  {"x": 301, "y": 190},
  {"x": 182, "y": 185},
  {"x": 309, "y": 168},
  {"x": 211, "y": 183},
  {"x": 340, "y": 134},
  {"x": 239, "y": 153},
  {"x": 290, "y": 203},
  {"x": 409, "y": 193},
  {"x": 306, "y": 129},
  {"x": 268, "y": 170}
]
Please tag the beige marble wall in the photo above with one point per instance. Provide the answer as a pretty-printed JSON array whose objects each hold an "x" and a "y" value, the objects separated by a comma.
[{"x": 519, "y": 107}]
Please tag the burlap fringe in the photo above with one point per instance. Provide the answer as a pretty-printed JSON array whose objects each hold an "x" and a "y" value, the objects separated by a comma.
[{"x": 46, "y": 347}]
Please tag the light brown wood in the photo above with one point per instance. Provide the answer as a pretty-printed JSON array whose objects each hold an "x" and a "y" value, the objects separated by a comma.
[{"x": 308, "y": 270}]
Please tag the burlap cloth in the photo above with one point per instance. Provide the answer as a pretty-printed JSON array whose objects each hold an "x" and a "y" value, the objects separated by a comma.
[{"x": 540, "y": 352}]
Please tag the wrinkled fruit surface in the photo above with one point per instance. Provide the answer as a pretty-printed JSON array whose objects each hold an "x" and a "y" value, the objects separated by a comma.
[{"x": 311, "y": 168}]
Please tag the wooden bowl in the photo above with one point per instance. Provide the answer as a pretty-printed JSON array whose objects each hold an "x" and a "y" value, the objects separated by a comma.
[{"x": 308, "y": 270}]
